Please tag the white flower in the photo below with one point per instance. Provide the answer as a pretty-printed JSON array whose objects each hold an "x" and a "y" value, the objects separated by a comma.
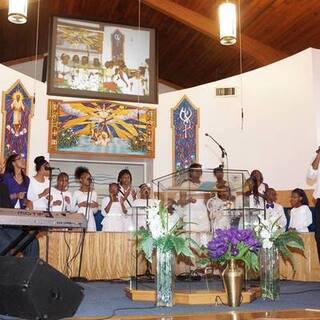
[
  {"x": 266, "y": 244},
  {"x": 155, "y": 228},
  {"x": 265, "y": 234}
]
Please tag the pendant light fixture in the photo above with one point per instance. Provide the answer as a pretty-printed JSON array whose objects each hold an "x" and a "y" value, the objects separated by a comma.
[
  {"x": 228, "y": 23},
  {"x": 18, "y": 10}
]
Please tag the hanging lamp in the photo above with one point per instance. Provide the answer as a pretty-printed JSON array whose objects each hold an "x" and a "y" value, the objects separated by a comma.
[
  {"x": 228, "y": 23},
  {"x": 18, "y": 10}
]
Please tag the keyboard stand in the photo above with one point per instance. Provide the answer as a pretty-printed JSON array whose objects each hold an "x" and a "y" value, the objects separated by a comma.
[{"x": 20, "y": 243}]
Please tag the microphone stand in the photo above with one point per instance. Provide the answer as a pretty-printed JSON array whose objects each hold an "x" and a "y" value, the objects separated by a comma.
[
  {"x": 223, "y": 150},
  {"x": 148, "y": 273},
  {"x": 84, "y": 231},
  {"x": 50, "y": 185}
]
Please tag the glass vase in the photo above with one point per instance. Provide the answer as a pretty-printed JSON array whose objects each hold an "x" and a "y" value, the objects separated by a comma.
[
  {"x": 269, "y": 273},
  {"x": 165, "y": 278}
]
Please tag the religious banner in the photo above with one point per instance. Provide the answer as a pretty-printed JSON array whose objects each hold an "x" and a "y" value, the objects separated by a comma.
[
  {"x": 185, "y": 123},
  {"x": 17, "y": 111},
  {"x": 101, "y": 128}
]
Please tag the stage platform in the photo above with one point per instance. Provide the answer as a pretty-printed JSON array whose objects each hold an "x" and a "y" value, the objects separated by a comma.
[
  {"x": 298, "y": 314},
  {"x": 201, "y": 292},
  {"x": 103, "y": 298}
]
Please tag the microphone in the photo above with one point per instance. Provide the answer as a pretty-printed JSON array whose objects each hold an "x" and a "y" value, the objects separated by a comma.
[
  {"x": 48, "y": 168},
  {"x": 223, "y": 150}
]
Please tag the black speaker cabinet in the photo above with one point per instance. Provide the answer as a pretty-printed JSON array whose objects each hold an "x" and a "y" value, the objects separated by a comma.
[{"x": 32, "y": 289}]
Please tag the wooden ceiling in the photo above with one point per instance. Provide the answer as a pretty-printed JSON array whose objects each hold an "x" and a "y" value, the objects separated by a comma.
[{"x": 189, "y": 51}]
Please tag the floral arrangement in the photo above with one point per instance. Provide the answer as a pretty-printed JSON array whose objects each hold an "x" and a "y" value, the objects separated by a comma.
[
  {"x": 234, "y": 244},
  {"x": 164, "y": 232},
  {"x": 271, "y": 233}
]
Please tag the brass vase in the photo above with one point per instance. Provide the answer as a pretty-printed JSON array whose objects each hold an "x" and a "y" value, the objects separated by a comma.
[{"x": 233, "y": 280}]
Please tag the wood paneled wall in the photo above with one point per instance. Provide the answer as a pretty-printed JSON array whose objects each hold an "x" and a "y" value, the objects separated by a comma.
[{"x": 111, "y": 255}]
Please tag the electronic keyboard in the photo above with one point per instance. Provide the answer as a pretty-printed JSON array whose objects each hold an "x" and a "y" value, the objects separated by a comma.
[{"x": 37, "y": 218}]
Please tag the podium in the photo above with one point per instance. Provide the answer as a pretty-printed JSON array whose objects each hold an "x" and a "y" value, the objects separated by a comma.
[{"x": 201, "y": 202}]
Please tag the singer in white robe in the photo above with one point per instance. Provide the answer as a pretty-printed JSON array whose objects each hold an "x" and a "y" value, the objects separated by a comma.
[
  {"x": 88, "y": 209},
  {"x": 61, "y": 197},
  {"x": 61, "y": 200},
  {"x": 194, "y": 204}
]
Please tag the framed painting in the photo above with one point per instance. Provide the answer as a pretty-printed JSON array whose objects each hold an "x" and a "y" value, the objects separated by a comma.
[
  {"x": 102, "y": 61},
  {"x": 185, "y": 125},
  {"x": 101, "y": 128},
  {"x": 17, "y": 111}
]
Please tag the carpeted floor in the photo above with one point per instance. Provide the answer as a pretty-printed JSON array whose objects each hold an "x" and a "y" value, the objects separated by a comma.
[{"x": 102, "y": 298}]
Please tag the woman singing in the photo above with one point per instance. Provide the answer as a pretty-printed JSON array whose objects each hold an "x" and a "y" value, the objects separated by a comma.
[
  {"x": 255, "y": 189},
  {"x": 128, "y": 195},
  {"x": 85, "y": 199},
  {"x": 16, "y": 180},
  {"x": 39, "y": 185}
]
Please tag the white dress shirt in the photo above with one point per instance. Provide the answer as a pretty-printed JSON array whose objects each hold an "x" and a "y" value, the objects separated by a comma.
[
  {"x": 314, "y": 175},
  {"x": 277, "y": 212},
  {"x": 80, "y": 196},
  {"x": 60, "y": 195},
  {"x": 300, "y": 218},
  {"x": 115, "y": 219},
  {"x": 35, "y": 188}
]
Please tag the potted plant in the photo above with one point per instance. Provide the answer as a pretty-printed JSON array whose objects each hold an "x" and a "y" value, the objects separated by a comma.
[
  {"x": 228, "y": 247},
  {"x": 274, "y": 240}
]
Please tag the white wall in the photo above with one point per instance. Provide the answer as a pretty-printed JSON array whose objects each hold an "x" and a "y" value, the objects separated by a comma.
[
  {"x": 280, "y": 131},
  {"x": 281, "y": 110}
]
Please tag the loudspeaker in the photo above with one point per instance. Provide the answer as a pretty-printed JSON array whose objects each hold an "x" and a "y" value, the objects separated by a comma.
[{"x": 32, "y": 289}]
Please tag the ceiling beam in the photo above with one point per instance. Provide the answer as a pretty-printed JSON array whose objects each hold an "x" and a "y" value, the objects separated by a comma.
[{"x": 257, "y": 50}]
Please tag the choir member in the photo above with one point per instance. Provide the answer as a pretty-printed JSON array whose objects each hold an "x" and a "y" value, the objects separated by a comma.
[
  {"x": 16, "y": 180},
  {"x": 38, "y": 190},
  {"x": 218, "y": 207},
  {"x": 144, "y": 199},
  {"x": 314, "y": 176},
  {"x": 9, "y": 234},
  {"x": 300, "y": 214},
  {"x": 114, "y": 211},
  {"x": 61, "y": 197},
  {"x": 128, "y": 193},
  {"x": 84, "y": 200},
  {"x": 275, "y": 210},
  {"x": 221, "y": 183},
  {"x": 126, "y": 188},
  {"x": 255, "y": 189},
  {"x": 194, "y": 204}
]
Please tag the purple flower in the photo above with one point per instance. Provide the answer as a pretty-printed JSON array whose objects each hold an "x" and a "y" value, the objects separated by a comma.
[
  {"x": 229, "y": 240},
  {"x": 234, "y": 251}
]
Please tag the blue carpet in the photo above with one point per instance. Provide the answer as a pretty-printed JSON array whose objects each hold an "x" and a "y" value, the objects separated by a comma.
[{"x": 101, "y": 298}]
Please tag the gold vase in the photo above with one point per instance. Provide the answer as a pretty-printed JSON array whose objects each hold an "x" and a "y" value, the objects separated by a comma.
[{"x": 232, "y": 280}]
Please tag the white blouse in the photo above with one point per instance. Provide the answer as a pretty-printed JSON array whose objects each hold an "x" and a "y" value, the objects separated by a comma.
[
  {"x": 115, "y": 209},
  {"x": 277, "y": 212},
  {"x": 80, "y": 196},
  {"x": 130, "y": 198},
  {"x": 300, "y": 218},
  {"x": 61, "y": 195},
  {"x": 115, "y": 220},
  {"x": 253, "y": 203},
  {"x": 35, "y": 188}
]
